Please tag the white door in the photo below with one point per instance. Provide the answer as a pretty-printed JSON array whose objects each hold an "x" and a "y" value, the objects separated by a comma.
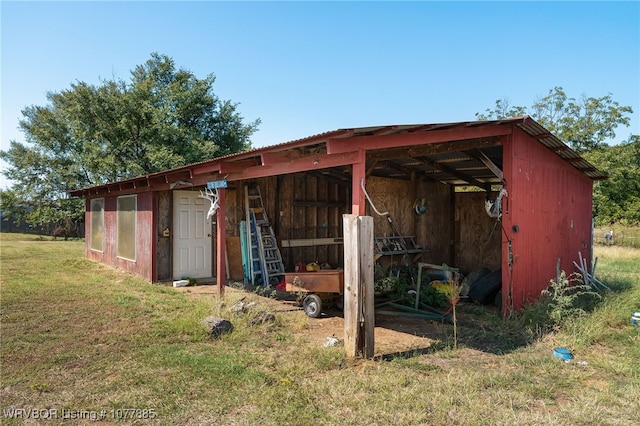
[{"x": 191, "y": 236}]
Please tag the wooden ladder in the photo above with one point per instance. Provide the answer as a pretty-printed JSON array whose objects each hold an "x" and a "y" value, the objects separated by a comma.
[{"x": 265, "y": 261}]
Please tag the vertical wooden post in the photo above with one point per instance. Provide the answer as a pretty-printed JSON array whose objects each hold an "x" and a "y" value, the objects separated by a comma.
[
  {"x": 359, "y": 315},
  {"x": 358, "y": 174},
  {"x": 221, "y": 241}
]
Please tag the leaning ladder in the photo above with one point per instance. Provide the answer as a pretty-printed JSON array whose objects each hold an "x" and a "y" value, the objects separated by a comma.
[{"x": 265, "y": 261}]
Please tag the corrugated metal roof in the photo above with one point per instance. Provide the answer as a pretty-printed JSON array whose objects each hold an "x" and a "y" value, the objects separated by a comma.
[
  {"x": 546, "y": 138},
  {"x": 450, "y": 159}
]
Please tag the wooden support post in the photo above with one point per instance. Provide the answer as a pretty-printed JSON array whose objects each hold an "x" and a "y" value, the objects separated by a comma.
[
  {"x": 358, "y": 175},
  {"x": 221, "y": 243},
  {"x": 359, "y": 315}
]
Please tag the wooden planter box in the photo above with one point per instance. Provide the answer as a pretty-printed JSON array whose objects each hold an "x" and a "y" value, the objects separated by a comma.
[{"x": 323, "y": 281}]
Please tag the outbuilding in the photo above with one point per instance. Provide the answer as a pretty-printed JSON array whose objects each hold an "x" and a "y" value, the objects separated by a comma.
[{"x": 505, "y": 195}]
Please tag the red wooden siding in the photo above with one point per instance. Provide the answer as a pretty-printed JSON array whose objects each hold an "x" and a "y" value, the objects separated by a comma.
[
  {"x": 547, "y": 216},
  {"x": 144, "y": 265}
]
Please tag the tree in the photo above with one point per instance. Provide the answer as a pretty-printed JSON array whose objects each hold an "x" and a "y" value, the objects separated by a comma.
[
  {"x": 93, "y": 134},
  {"x": 585, "y": 123},
  {"x": 617, "y": 199}
]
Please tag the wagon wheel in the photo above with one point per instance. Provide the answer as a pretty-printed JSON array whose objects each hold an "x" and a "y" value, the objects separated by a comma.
[{"x": 312, "y": 305}]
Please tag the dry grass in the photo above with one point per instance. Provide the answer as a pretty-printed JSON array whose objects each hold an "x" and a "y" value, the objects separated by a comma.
[
  {"x": 79, "y": 336},
  {"x": 618, "y": 253}
]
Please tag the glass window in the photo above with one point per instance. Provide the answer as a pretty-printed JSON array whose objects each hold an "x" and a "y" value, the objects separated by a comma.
[
  {"x": 126, "y": 247},
  {"x": 97, "y": 223}
]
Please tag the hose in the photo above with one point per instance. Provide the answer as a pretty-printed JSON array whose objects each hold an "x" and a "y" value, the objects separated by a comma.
[{"x": 369, "y": 199}]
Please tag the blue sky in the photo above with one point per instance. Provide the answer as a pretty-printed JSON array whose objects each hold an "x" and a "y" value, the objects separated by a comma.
[{"x": 308, "y": 67}]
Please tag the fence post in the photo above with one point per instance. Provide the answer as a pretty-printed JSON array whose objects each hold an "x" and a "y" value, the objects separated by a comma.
[{"x": 359, "y": 315}]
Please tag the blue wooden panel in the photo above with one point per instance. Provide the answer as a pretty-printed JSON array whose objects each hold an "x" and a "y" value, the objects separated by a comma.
[{"x": 217, "y": 184}]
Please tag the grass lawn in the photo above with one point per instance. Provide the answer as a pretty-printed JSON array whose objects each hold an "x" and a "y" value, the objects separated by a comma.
[{"x": 82, "y": 340}]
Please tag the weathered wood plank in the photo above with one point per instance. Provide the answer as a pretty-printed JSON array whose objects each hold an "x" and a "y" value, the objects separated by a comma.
[
  {"x": 324, "y": 281},
  {"x": 478, "y": 236},
  {"x": 359, "y": 315},
  {"x": 311, "y": 242},
  {"x": 163, "y": 247}
]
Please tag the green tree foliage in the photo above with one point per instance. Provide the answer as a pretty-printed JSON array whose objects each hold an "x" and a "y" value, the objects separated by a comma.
[
  {"x": 585, "y": 123},
  {"x": 88, "y": 135},
  {"x": 617, "y": 200}
]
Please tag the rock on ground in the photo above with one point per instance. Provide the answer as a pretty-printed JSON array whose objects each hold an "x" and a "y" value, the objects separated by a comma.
[{"x": 216, "y": 326}]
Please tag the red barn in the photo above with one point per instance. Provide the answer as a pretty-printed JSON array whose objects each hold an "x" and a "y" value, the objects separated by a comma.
[{"x": 433, "y": 179}]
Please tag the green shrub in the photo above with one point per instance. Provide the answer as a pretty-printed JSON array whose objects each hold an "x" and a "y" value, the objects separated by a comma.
[{"x": 564, "y": 300}]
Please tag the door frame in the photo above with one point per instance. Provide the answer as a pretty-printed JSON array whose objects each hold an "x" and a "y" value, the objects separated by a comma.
[{"x": 196, "y": 232}]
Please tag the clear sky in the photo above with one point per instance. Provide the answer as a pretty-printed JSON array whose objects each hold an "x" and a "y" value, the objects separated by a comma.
[{"x": 309, "y": 67}]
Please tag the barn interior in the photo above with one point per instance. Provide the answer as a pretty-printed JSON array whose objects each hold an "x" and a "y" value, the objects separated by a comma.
[{"x": 427, "y": 201}]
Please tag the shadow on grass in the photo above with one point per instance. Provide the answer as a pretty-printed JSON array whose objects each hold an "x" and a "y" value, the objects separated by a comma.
[
  {"x": 619, "y": 285},
  {"x": 478, "y": 327},
  {"x": 433, "y": 348}
]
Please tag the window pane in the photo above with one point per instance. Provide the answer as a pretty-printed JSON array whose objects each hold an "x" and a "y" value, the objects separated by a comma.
[
  {"x": 97, "y": 223},
  {"x": 127, "y": 227}
]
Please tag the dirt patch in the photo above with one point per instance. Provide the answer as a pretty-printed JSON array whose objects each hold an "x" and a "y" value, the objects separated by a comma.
[{"x": 392, "y": 335}]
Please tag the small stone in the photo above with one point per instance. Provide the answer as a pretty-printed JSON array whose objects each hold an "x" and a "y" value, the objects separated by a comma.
[
  {"x": 263, "y": 317},
  {"x": 238, "y": 306},
  {"x": 216, "y": 326},
  {"x": 332, "y": 341}
]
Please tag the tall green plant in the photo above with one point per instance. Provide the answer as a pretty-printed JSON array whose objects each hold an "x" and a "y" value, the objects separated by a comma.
[{"x": 566, "y": 299}]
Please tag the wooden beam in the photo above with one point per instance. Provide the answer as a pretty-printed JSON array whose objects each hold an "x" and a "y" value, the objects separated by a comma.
[
  {"x": 206, "y": 168},
  {"x": 479, "y": 155},
  {"x": 314, "y": 162},
  {"x": 221, "y": 241},
  {"x": 237, "y": 166},
  {"x": 335, "y": 146},
  {"x": 331, "y": 177},
  {"x": 372, "y": 168},
  {"x": 385, "y": 130},
  {"x": 311, "y": 242},
  {"x": 344, "y": 176},
  {"x": 460, "y": 175},
  {"x": 435, "y": 148},
  {"x": 311, "y": 203},
  {"x": 359, "y": 315},
  {"x": 400, "y": 168},
  {"x": 358, "y": 177},
  {"x": 269, "y": 158}
]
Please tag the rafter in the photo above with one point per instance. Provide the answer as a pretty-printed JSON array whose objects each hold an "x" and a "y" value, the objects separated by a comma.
[
  {"x": 456, "y": 173},
  {"x": 332, "y": 175},
  {"x": 400, "y": 168},
  {"x": 278, "y": 157},
  {"x": 481, "y": 156},
  {"x": 435, "y": 148}
]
